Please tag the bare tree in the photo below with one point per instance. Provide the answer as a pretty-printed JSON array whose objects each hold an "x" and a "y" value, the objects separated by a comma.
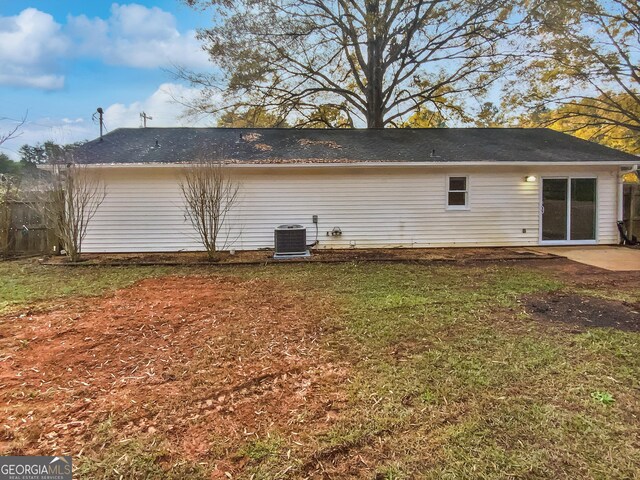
[
  {"x": 13, "y": 132},
  {"x": 70, "y": 202},
  {"x": 372, "y": 60},
  {"x": 210, "y": 193}
]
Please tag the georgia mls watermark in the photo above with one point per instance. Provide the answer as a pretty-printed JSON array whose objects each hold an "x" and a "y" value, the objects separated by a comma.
[{"x": 35, "y": 468}]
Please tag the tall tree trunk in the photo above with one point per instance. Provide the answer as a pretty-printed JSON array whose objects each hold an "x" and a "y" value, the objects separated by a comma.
[{"x": 374, "y": 74}]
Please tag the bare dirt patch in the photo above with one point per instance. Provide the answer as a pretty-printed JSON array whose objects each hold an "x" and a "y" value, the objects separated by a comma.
[
  {"x": 583, "y": 311},
  {"x": 418, "y": 255},
  {"x": 206, "y": 363}
]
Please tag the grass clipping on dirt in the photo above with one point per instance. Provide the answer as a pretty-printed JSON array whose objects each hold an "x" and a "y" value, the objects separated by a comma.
[{"x": 349, "y": 371}]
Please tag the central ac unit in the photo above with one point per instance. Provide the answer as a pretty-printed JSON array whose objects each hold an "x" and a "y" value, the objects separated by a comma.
[{"x": 290, "y": 241}]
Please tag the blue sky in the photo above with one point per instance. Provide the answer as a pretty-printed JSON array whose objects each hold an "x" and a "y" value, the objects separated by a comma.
[{"x": 62, "y": 59}]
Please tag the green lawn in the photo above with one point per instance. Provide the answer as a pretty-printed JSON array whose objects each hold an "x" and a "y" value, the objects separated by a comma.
[
  {"x": 28, "y": 283},
  {"x": 451, "y": 379}
]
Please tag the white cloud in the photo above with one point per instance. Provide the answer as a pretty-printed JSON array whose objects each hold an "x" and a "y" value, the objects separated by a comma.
[
  {"x": 26, "y": 77},
  {"x": 31, "y": 43},
  {"x": 42, "y": 129},
  {"x": 138, "y": 21},
  {"x": 68, "y": 121},
  {"x": 137, "y": 36},
  {"x": 160, "y": 105}
]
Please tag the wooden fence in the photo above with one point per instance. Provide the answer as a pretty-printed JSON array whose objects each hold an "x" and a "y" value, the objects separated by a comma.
[
  {"x": 631, "y": 210},
  {"x": 23, "y": 229}
]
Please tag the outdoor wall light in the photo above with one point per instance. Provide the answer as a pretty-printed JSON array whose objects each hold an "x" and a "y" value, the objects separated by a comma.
[{"x": 530, "y": 178}]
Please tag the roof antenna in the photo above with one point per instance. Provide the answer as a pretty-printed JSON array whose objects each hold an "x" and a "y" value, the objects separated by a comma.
[
  {"x": 100, "y": 113},
  {"x": 144, "y": 117}
]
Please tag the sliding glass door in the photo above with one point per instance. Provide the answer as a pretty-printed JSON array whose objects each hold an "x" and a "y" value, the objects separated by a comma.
[
  {"x": 568, "y": 210},
  {"x": 554, "y": 209}
]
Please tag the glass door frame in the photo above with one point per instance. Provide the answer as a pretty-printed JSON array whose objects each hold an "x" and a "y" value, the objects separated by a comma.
[{"x": 568, "y": 240}]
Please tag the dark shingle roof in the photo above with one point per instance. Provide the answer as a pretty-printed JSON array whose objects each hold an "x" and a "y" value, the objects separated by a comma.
[{"x": 179, "y": 145}]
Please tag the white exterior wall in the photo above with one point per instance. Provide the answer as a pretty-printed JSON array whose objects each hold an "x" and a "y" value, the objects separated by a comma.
[{"x": 373, "y": 206}]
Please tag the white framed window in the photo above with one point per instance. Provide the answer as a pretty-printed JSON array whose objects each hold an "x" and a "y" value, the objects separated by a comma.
[{"x": 457, "y": 192}]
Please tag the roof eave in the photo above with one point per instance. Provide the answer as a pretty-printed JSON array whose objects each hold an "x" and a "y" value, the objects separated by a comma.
[{"x": 608, "y": 163}]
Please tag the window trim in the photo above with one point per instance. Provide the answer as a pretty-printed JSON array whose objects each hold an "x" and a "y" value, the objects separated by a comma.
[{"x": 466, "y": 193}]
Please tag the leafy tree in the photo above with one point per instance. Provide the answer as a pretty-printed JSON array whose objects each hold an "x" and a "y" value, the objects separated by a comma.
[
  {"x": 326, "y": 116},
  {"x": 377, "y": 60},
  {"x": 253, "y": 117},
  {"x": 18, "y": 169},
  {"x": 8, "y": 166},
  {"x": 569, "y": 119},
  {"x": 586, "y": 60},
  {"x": 490, "y": 116},
  {"x": 424, "y": 118},
  {"x": 32, "y": 154},
  {"x": 47, "y": 152}
]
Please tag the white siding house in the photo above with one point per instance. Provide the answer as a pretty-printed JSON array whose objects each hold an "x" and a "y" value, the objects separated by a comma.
[{"x": 428, "y": 203}]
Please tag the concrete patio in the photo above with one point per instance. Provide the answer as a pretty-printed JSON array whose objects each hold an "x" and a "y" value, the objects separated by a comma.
[{"x": 614, "y": 258}]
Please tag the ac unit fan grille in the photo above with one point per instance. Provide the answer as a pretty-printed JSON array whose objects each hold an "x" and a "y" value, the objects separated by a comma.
[{"x": 290, "y": 240}]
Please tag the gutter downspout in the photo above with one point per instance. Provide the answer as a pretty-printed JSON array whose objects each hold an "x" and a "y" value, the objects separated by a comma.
[{"x": 620, "y": 213}]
